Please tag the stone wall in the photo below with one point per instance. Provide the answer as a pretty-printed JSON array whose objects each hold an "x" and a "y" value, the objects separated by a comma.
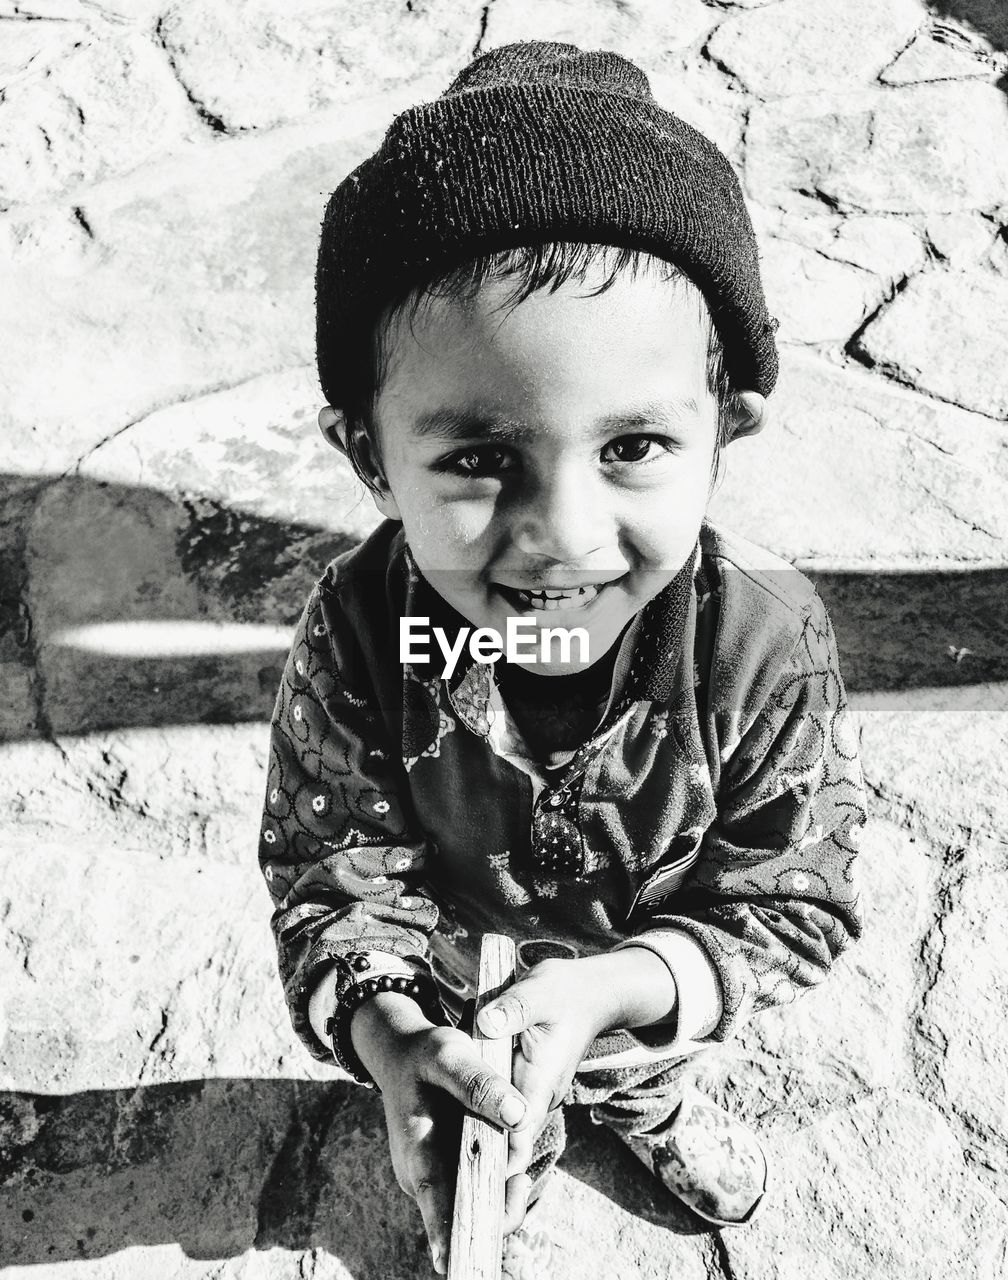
[{"x": 166, "y": 502}]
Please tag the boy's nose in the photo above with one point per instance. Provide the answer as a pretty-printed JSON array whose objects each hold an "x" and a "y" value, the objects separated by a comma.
[{"x": 561, "y": 519}]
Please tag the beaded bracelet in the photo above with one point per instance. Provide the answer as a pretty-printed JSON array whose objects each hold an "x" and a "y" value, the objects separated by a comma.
[{"x": 420, "y": 987}]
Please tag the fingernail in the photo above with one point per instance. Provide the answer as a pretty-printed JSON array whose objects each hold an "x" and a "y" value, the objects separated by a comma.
[
  {"x": 512, "y": 1109},
  {"x": 493, "y": 1019},
  {"x": 439, "y": 1264}
]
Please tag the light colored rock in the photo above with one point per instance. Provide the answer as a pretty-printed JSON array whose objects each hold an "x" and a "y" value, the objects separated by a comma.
[
  {"x": 793, "y": 47},
  {"x": 815, "y": 298},
  {"x": 856, "y": 472},
  {"x": 121, "y": 968},
  {"x": 174, "y": 790},
  {"x": 962, "y": 1019},
  {"x": 273, "y": 61},
  {"x": 890, "y": 1165},
  {"x": 935, "y": 148},
  {"x": 947, "y": 333},
  {"x": 961, "y": 239},
  {"x": 890, "y": 248},
  {"x": 938, "y": 56},
  {"x": 34, "y": 45},
  {"x": 849, "y": 1036},
  {"x": 200, "y": 276},
  {"x": 693, "y": 89},
  {"x": 931, "y": 764},
  {"x": 102, "y": 109},
  {"x": 642, "y": 30}
]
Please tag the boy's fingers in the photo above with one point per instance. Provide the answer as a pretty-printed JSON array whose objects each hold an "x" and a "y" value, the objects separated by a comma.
[
  {"x": 460, "y": 1071},
  {"x": 520, "y": 1148},
  {"x": 510, "y": 1013},
  {"x": 434, "y": 1208},
  {"x": 516, "y": 1194}
]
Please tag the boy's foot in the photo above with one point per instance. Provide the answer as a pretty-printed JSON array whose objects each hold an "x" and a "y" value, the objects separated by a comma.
[
  {"x": 528, "y": 1255},
  {"x": 708, "y": 1160}
]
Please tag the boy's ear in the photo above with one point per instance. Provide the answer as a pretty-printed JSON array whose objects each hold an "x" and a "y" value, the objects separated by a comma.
[
  {"x": 750, "y": 415},
  {"x": 333, "y": 427}
]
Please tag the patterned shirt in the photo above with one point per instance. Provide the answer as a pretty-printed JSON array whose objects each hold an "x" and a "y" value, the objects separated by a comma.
[{"x": 715, "y": 810}]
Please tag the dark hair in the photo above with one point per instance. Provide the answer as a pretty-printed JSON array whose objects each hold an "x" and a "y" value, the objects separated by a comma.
[{"x": 532, "y": 267}]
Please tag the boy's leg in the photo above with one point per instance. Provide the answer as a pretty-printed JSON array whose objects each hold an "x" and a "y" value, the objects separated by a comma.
[{"x": 702, "y": 1154}]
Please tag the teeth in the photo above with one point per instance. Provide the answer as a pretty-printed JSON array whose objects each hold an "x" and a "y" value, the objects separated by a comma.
[{"x": 546, "y": 601}]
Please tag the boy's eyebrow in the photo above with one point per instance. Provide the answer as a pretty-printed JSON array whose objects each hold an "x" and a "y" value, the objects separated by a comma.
[{"x": 465, "y": 424}]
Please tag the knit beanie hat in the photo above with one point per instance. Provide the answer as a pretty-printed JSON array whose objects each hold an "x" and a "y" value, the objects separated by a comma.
[{"x": 535, "y": 142}]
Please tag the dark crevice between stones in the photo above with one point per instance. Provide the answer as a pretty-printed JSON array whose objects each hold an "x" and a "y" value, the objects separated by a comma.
[
  {"x": 80, "y": 217},
  {"x": 212, "y": 121},
  {"x": 484, "y": 19}
]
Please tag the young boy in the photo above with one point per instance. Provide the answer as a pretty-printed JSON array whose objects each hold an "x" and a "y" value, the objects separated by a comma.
[{"x": 539, "y": 319}]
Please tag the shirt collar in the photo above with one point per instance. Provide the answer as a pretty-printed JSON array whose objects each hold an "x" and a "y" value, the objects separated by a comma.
[{"x": 656, "y": 653}]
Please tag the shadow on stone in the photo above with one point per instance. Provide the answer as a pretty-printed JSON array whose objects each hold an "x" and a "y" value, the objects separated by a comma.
[
  {"x": 77, "y": 554},
  {"x": 223, "y": 1166}
]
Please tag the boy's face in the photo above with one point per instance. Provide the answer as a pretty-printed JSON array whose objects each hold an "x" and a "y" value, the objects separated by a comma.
[{"x": 553, "y": 460}]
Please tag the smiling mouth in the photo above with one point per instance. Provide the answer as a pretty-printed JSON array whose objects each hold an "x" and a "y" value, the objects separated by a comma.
[{"x": 552, "y": 598}]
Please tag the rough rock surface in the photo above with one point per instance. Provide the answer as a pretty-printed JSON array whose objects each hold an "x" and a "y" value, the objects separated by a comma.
[
  {"x": 931, "y": 147},
  {"x": 947, "y": 333},
  {"x": 165, "y": 503}
]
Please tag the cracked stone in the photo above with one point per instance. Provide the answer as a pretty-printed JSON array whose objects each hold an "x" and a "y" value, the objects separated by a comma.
[
  {"x": 793, "y": 47},
  {"x": 935, "y": 148},
  {"x": 35, "y": 45},
  {"x": 948, "y": 56},
  {"x": 889, "y": 248},
  {"x": 929, "y": 759},
  {"x": 892, "y": 1165},
  {"x": 200, "y": 276},
  {"x": 947, "y": 333},
  {"x": 848, "y": 1036},
  {"x": 961, "y": 239},
  {"x": 889, "y": 476},
  {"x": 270, "y": 61},
  {"x": 643, "y": 30},
  {"x": 962, "y": 1019},
  {"x": 172, "y": 955},
  {"x": 815, "y": 298},
  {"x": 102, "y": 109}
]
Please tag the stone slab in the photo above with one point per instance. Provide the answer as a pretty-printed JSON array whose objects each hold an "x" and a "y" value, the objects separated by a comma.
[
  {"x": 947, "y": 333},
  {"x": 962, "y": 1018},
  {"x": 854, "y": 472},
  {"x": 817, "y": 300},
  {"x": 793, "y": 47},
  {"x": 171, "y": 975},
  {"x": 934, "y": 148},
  {"x": 107, "y": 105},
  {"x": 188, "y": 276},
  {"x": 273, "y": 61},
  {"x": 646, "y": 31},
  {"x": 942, "y": 54},
  {"x": 892, "y": 1166}
]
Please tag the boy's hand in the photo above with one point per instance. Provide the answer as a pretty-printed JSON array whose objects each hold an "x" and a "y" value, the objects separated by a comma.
[
  {"x": 556, "y": 1010},
  {"x": 556, "y": 1014},
  {"x": 424, "y": 1072}
]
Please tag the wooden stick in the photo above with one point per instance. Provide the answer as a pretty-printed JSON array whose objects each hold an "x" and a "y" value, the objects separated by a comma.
[{"x": 477, "y": 1238}]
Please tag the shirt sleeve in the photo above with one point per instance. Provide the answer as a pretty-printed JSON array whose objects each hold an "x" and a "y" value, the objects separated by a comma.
[
  {"x": 339, "y": 847},
  {"x": 773, "y": 898}
]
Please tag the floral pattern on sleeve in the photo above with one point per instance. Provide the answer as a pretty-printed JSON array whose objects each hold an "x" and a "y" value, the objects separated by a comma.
[
  {"x": 774, "y": 897},
  {"x": 339, "y": 852}
]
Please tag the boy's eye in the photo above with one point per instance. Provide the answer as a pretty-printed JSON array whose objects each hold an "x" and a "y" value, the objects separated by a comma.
[
  {"x": 483, "y": 460},
  {"x": 634, "y": 449}
]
